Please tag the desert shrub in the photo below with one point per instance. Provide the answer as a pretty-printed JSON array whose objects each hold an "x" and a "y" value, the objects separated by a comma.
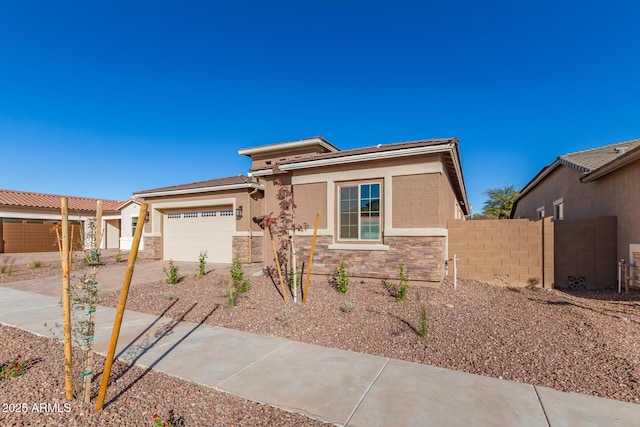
[
  {"x": 171, "y": 273},
  {"x": 202, "y": 264},
  {"x": 399, "y": 291},
  {"x": 424, "y": 320},
  {"x": 240, "y": 284},
  {"x": 341, "y": 278}
]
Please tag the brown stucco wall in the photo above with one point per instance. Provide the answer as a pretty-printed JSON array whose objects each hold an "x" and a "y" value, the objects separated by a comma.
[
  {"x": 311, "y": 199},
  {"x": 416, "y": 201},
  {"x": 617, "y": 194},
  {"x": 422, "y": 256},
  {"x": 503, "y": 252}
]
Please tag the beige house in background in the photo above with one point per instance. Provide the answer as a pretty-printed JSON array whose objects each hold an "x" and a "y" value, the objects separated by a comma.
[
  {"x": 379, "y": 207},
  {"x": 600, "y": 182}
]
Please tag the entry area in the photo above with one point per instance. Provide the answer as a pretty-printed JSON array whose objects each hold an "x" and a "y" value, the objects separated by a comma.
[{"x": 187, "y": 232}]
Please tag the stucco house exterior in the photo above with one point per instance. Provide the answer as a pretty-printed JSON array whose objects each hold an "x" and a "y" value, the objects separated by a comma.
[
  {"x": 379, "y": 207},
  {"x": 26, "y": 219},
  {"x": 600, "y": 182}
]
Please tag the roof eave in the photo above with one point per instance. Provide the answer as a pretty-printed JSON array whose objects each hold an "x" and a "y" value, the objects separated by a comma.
[
  {"x": 200, "y": 190},
  {"x": 629, "y": 157},
  {"x": 303, "y": 143}
]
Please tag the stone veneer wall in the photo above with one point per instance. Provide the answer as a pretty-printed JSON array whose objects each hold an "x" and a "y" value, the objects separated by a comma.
[
  {"x": 636, "y": 276},
  {"x": 152, "y": 247},
  {"x": 241, "y": 248},
  {"x": 422, "y": 256}
]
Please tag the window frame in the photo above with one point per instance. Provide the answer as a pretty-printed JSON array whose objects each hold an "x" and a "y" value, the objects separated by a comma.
[
  {"x": 558, "y": 210},
  {"x": 540, "y": 212},
  {"x": 338, "y": 222}
]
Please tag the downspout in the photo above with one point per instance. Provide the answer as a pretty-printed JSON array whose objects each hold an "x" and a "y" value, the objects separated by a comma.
[{"x": 251, "y": 193}]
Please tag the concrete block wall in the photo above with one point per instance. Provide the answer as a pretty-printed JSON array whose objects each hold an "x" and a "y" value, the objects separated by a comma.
[{"x": 504, "y": 252}]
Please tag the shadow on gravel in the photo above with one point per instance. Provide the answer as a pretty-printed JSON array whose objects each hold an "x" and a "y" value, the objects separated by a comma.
[
  {"x": 631, "y": 315},
  {"x": 163, "y": 332}
]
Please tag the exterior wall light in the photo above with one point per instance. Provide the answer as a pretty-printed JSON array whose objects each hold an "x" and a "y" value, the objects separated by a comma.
[
  {"x": 146, "y": 218},
  {"x": 239, "y": 212}
]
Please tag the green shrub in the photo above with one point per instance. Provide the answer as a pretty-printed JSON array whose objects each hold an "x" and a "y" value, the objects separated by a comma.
[
  {"x": 424, "y": 320},
  {"x": 37, "y": 264},
  {"x": 119, "y": 257},
  {"x": 399, "y": 291},
  {"x": 240, "y": 284},
  {"x": 202, "y": 263},
  {"x": 232, "y": 295},
  {"x": 341, "y": 278},
  {"x": 172, "y": 273}
]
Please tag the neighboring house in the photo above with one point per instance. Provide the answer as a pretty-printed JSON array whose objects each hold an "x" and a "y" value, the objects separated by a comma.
[
  {"x": 603, "y": 181},
  {"x": 27, "y": 218},
  {"x": 379, "y": 207}
]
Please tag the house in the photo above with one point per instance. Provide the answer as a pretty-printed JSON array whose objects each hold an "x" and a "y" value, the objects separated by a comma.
[
  {"x": 596, "y": 183},
  {"x": 379, "y": 207},
  {"x": 27, "y": 218}
]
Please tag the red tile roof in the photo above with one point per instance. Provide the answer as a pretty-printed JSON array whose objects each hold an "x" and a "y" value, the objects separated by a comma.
[{"x": 52, "y": 201}]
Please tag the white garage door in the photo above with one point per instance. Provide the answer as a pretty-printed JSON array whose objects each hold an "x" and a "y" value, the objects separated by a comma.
[{"x": 187, "y": 232}]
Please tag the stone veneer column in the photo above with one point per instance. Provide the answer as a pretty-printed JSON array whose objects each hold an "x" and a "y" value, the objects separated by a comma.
[{"x": 1, "y": 236}]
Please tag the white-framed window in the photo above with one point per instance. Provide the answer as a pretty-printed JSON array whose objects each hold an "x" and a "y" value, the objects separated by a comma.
[
  {"x": 558, "y": 209},
  {"x": 540, "y": 212},
  {"x": 173, "y": 215},
  {"x": 191, "y": 214},
  {"x": 228, "y": 212},
  {"x": 208, "y": 213},
  {"x": 359, "y": 211},
  {"x": 134, "y": 224}
]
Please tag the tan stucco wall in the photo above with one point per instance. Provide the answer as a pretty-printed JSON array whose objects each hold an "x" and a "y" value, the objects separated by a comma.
[
  {"x": 311, "y": 199},
  {"x": 617, "y": 194},
  {"x": 416, "y": 201}
]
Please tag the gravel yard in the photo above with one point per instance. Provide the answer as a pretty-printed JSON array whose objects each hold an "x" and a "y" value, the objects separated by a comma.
[{"x": 586, "y": 342}]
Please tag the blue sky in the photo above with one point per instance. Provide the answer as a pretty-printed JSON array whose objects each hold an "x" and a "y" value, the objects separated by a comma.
[{"x": 103, "y": 99}]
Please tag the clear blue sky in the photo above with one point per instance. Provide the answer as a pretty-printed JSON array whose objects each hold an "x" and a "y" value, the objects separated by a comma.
[{"x": 101, "y": 99}]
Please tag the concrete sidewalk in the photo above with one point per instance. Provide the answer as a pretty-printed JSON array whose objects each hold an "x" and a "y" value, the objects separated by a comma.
[{"x": 341, "y": 387}]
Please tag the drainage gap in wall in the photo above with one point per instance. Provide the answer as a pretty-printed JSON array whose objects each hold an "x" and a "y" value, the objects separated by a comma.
[{"x": 577, "y": 282}]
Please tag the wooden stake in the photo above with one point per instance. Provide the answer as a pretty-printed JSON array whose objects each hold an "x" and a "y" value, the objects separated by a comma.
[
  {"x": 88, "y": 374},
  {"x": 275, "y": 254},
  {"x": 313, "y": 247},
  {"x": 294, "y": 257},
  {"x": 122, "y": 302},
  {"x": 66, "y": 298}
]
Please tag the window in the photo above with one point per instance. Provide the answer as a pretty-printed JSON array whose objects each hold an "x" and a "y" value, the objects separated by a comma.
[
  {"x": 173, "y": 215},
  {"x": 558, "y": 210},
  {"x": 134, "y": 224},
  {"x": 359, "y": 212},
  {"x": 208, "y": 213},
  {"x": 191, "y": 214},
  {"x": 228, "y": 212},
  {"x": 540, "y": 212}
]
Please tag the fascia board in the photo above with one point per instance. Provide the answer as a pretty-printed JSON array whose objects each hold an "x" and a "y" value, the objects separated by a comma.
[
  {"x": 263, "y": 172},
  {"x": 365, "y": 157},
  {"x": 201, "y": 190},
  {"x": 538, "y": 178}
]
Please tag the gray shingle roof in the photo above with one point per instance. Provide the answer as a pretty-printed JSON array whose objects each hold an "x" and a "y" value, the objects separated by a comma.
[{"x": 589, "y": 160}]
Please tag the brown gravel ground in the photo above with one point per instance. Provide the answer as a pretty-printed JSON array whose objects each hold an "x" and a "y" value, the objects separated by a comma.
[{"x": 585, "y": 342}]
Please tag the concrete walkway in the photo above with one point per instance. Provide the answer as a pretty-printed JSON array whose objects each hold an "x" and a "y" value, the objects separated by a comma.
[{"x": 341, "y": 387}]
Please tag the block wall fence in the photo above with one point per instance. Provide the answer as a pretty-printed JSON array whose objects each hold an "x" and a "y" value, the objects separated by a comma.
[{"x": 504, "y": 252}]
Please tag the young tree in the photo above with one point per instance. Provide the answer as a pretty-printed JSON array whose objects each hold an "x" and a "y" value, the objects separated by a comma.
[{"x": 499, "y": 201}]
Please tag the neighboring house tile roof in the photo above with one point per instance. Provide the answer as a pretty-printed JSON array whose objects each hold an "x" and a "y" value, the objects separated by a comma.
[
  {"x": 588, "y": 161},
  {"x": 229, "y": 181},
  {"x": 52, "y": 201}
]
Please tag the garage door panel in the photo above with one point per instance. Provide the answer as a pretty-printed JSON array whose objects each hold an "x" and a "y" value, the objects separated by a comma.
[{"x": 188, "y": 232}]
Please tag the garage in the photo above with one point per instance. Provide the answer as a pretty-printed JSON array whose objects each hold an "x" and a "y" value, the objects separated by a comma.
[{"x": 187, "y": 232}]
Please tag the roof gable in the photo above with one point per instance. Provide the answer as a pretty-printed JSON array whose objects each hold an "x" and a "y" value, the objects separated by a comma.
[{"x": 588, "y": 161}]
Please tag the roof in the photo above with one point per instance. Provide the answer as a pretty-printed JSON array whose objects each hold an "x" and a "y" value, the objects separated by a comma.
[
  {"x": 52, "y": 201},
  {"x": 446, "y": 146},
  {"x": 593, "y": 163},
  {"x": 218, "y": 184},
  {"x": 283, "y": 146},
  {"x": 588, "y": 161}
]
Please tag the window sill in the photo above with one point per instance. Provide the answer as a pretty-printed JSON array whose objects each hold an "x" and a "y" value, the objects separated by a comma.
[{"x": 359, "y": 247}]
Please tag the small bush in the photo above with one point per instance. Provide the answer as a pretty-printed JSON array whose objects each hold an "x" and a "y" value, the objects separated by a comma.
[
  {"x": 171, "y": 273},
  {"x": 17, "y": 367},
  {"x": 399, "y": 291},
  {"x": 232, "y": 295},
  {"x": 298, "y": 279},
  {"x": 202, "y": 264},
  {"x": 341, "y": 278},
  {"x": 240, "y": 284},
  {"x": 37, "y": 264},
  {"x": 119, "y": 257}
]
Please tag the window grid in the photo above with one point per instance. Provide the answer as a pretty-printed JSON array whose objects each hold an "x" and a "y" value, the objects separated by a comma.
[
  {"x": 173, "y": 215},
  {"x": 359, "y": 212},
  {"x": 227, "y": 212},
  {"x": 191, "y": 214},
  {"x": 208, "y": 213}
]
